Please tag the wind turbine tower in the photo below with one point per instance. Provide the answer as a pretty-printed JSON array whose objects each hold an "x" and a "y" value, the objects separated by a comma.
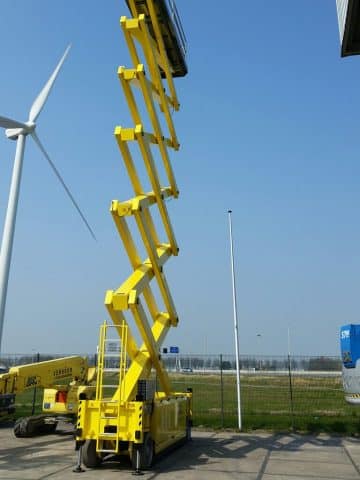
[{"x": 18, "y": 131}]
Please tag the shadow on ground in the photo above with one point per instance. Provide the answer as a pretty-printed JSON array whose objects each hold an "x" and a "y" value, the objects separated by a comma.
[{"x": 211, "y": 451}]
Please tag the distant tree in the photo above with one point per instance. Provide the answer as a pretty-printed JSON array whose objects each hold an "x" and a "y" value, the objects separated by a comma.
[
  {"x": 226, "y": 365},
  {"x": 197, "y": 362},
  {"x": 294, "y": 364},
  {"x": 325, "y": 364}
]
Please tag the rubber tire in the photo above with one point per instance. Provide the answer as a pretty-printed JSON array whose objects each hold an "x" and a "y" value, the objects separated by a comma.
[
  {"x": 49, "y": 428},
  {"x": 90, "y": 456},
  {"x": 33, "y": 426},
  {"x": 146, "y": 450},
  {"x": 20, "y": 428},
  {"x": 188, "y": 429}
]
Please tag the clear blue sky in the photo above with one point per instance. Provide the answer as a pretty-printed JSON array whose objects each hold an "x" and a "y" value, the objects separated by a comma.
[{"x": 269, "y": 127}]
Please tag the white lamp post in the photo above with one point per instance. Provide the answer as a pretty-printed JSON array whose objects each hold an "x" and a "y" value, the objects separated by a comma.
[{"x": 236, "y": 331}]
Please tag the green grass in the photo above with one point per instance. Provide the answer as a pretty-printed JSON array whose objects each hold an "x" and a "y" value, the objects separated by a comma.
[{"x": 318, "y": 403}]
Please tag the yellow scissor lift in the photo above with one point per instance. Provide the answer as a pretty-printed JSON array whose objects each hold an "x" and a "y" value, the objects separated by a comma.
[{"x": 129, "y": 415}]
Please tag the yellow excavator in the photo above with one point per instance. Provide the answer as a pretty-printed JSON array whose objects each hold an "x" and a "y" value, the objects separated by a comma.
[{"x": 63, "y": 380}]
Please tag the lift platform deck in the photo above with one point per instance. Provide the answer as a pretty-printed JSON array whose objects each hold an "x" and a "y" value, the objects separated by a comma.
[{"x": 171, "y": 30}]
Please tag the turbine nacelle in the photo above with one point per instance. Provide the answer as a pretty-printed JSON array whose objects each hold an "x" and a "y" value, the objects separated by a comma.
[{"x": 13, "y": 133}]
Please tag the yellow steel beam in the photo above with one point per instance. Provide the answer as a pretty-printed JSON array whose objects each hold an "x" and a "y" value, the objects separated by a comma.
[
  {"x": 157, "y": 266},
  {"x": 129, "y": 164},
  {"x": 151, "y": 92},
  {"x": 154, "y": 178},
  {"x": 161, "y": 47},
  {"x": 142, "y": 34},
  {"x": 150, "y": 342},
  {"x": 134, "y": 178},
  {"x": 137, "y": 281},
  {"x": 148, "y": 97},
  {"x": 129, "y": 75},
  {"x": 141, "y": 365},
  {"x": 156, "y": 81},
  {"x": 129, "y": 25},
  {"x": 139, "y": 202},
  {"x": 131, "y": 28},
  {"x": 134, "y": 258},
  {"x": 124, "y": 135},
  {"x": 133, "y": 8}
]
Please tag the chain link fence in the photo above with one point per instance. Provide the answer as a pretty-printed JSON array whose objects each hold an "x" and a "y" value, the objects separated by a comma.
[{"x": 277, "y": 392}]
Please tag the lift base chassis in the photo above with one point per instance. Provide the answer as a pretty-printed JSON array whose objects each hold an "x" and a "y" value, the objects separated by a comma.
[{"x": 166, "y": 420}]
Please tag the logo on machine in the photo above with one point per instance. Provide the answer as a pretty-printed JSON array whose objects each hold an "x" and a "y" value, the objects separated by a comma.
[
  {"x": 63, "y": 372},
  {"x": 31, "y": 381},
  {"x": 344, "y": 334}
]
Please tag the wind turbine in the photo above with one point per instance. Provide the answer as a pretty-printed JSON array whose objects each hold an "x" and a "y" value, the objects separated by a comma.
[{"x": 19, "y": 131}]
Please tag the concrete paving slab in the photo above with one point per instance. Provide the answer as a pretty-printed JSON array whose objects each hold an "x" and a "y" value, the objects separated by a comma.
[
  {"x": 352, "y": 449},
  {"x": 210, "y": 456}
]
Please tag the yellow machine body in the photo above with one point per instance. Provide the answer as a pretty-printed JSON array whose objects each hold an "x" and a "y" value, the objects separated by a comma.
[
  {"x": 129, "y": 414},
  {"x": 63, "y": 380},
  {"x": 45, "y": 374},
  {"x": 165, "y": 418},
  {"x": 63, "y": 399}
]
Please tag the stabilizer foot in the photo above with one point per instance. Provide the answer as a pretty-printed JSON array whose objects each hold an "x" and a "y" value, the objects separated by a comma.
[
  {"x": 78, "y": 468},
  {"x": 137, "y": 471}
]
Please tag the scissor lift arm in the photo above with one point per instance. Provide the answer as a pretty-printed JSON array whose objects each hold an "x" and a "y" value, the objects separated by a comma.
[{"x": 132, "y": 418}]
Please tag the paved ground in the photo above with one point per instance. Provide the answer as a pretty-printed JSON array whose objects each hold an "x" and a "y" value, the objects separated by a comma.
[{"x": 210, "y": 456}]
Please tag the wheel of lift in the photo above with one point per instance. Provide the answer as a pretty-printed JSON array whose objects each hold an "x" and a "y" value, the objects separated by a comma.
[
  {"x": 146, "y": 450},
  {"x": 90, "y": 456}
]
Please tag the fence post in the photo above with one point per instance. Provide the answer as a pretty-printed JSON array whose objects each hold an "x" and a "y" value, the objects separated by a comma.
[
  {"x": 34, "y": 393},
  {"x": 222, "y": 391},
  {"x": 291, "y": 394}
]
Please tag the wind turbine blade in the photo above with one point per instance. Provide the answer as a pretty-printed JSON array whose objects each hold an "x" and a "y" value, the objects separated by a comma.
[
  {"x": 39, "y": 144},
  {"x": 40, "y": 100},
  {"x": 10, "y": 123}
]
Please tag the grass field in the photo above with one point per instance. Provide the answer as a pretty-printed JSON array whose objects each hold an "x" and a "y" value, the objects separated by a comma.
[{"x": 317, "y": 405}]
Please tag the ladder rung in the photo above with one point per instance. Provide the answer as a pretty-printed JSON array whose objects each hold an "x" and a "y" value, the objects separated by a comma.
[
  {"x": 107, "y": 451},
  {"x": 110, "y": 386},
  {"x": 111, "y": 369},
  {"x": 108, "y": 435},
  {"x": 106, "y": 418}
]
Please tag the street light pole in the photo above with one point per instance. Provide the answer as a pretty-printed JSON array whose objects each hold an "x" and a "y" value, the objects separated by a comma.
[{"x": 236, "y": 331}]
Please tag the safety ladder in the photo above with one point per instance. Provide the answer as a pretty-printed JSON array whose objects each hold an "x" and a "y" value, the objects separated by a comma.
[{"x": 111, "y": 365}]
